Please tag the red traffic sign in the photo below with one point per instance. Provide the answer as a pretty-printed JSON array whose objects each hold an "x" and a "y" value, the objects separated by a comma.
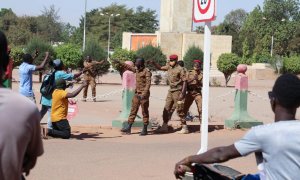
[{"x": 204, "y": 10}]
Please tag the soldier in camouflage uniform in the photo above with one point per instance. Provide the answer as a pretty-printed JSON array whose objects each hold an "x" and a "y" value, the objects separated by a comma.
[
  {"x": 142, "y": 94},
  {"x": 177, "y": 81},
  {"x": 90, "y": 77},
  {"x": 180, "y": 63},
  {"x": 194, "y": 86}
]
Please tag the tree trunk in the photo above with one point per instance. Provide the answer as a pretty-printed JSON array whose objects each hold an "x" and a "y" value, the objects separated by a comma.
[
  {"x": 40, "y": 76},
  {"x": 227, "y": 78}
]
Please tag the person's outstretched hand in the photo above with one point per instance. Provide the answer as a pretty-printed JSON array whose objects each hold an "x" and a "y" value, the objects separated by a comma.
[{"x": 182, "y": 167}]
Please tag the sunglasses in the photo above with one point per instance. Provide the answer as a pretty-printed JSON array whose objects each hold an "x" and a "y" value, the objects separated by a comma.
[
  {"x": 172, "y": 60},
  {"x": 271, "y": 95}
]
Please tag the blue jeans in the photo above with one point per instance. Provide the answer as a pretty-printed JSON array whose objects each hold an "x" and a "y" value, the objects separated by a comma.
[
  {"x": 251, "y": 177},
  {"x": 46, "y": 109}
]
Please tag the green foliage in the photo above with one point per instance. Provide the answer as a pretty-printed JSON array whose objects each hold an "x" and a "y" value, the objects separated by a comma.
[
  {"x": 264, "y": 57},
  {"x": 192, "y": 54},
  {"x": 129, "y": 20},
  {"x": 246, "y": 49},
  {"x": 274, "y": 61},
  {"x": 70, "y": 54},
  {"x": 247, "y": 61},
  {"x": 292, "y": 65},
  {"x": 49, "y": 27},
  {"x": 232, "y": 25},
  {"x": 294, "y": 46},
  {"x": 227, "y": 64},
  {"x": 277, "y": 18},
  {"x": 17, "y": 53},
  {"x": 42, "y": 47},
  {"x": 150, "y": 52},
  {"x": 7, "y": 19},
  {"x": 122, "y": 55},
  {"x": 94, "y": 50},
  {"x": 19, "y": 30}
]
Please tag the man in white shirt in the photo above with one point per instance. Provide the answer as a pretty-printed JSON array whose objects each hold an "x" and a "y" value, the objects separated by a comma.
[{"x": 276, "y": 145}]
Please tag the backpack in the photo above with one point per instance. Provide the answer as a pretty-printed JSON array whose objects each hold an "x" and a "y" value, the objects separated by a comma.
[{"x": 48, "y": 84}]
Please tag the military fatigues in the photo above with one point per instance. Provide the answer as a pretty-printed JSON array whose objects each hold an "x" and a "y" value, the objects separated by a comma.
[
  {"x": 143, "y": 83},
  {"x": 194, "y": 86},
  {"x": 89, "y": 77},
  {"x": 174, "y": 105},
  {"x": 176, "y": 77}
]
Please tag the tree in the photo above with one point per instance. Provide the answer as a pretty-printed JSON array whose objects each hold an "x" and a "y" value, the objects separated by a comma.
[
  {"x": 192, "y": 54},
  {"x": 129, "y": 20},
  {"x": 49, "y": 25},
  {"x": 232, "y": 25},
  {"x": 67, "y": 32},
  {"x": 227, "y": 64},
  {"x": 200, "y": 29},
  {"x": 292, "y": 65},
  {"x": 94, "y": 50},
  {"x": 24, "y": 29},
  {"x": 278, "y": 18},
  {"x": 70, "y": 54},
  {"x": 150, "y": 52},
  {"x": 236, "y": 18},
  {"x": 294, "y": 45},
  {"x": 251, "y": 31},
  {"x": 143, "y": 21},
  {"x": 122, "y": 55},
  {"x": 7, "y": 19},
  {"x": 17, "y": 54},
  {"x": 38, "y": 44}
]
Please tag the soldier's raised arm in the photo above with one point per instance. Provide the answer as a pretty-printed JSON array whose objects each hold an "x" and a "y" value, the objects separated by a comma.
[
  {"x": 158, "y": 66},
  {"x": 125, "y": 66}
]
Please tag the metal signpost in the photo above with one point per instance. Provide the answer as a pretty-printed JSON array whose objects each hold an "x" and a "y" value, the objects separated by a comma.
[{"x": 204, "y": 11}]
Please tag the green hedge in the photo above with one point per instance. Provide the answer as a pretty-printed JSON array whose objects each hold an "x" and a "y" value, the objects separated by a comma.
[
  {"x": 227, "y": 64},
  {"x": 291, "y": 65},
  {"x": 192, "y": 54}
]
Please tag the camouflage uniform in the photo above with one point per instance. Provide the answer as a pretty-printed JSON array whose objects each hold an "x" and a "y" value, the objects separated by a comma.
[
  {"x": 176, "y": 77},
  {"x": 174, "y": 105},
  {"x": 194, "y": 86},
  {"x": 143, "y": 83},
  {"x": 89, "y": 77}
]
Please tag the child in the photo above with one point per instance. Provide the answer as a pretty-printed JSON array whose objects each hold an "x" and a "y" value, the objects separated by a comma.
[{"x": 61, "y": 127}]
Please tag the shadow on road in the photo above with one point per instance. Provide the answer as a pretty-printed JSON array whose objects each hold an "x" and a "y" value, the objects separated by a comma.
[{"x": 83, "y": 136}]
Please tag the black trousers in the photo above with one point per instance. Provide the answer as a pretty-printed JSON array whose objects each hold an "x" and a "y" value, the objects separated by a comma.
[{"x": 61, "y": 129}]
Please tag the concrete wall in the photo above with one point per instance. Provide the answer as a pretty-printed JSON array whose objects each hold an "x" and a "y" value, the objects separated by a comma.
[
  {"x": 179, "y": 43},
  {"x": 171, "y": 43},
  {"x": 126, "y": 40},
  {"x": 176, "y": 15}
]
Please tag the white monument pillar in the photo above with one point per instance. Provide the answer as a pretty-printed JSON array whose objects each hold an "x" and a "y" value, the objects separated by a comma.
[{"x": 176, "y": 15}]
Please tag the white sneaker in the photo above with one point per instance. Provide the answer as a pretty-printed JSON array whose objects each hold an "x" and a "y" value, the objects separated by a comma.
[
  {"x": 184, "y": 130},
  {"x": 162, "y": 129}
]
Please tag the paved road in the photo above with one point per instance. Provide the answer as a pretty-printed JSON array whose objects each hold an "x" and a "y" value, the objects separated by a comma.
[{"x": 108, "y": 155}]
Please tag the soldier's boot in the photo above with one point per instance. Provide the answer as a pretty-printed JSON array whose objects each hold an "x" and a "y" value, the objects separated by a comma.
[
  {"x": 184, "y": 130},
  {"x": 127, "y": 130},
  {"x": 162, "y": 129},
  {"x": 144, "y": 131}
]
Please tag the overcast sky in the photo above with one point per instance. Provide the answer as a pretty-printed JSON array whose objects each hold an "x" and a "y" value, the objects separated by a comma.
[{"x": 72, "y": 10}]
